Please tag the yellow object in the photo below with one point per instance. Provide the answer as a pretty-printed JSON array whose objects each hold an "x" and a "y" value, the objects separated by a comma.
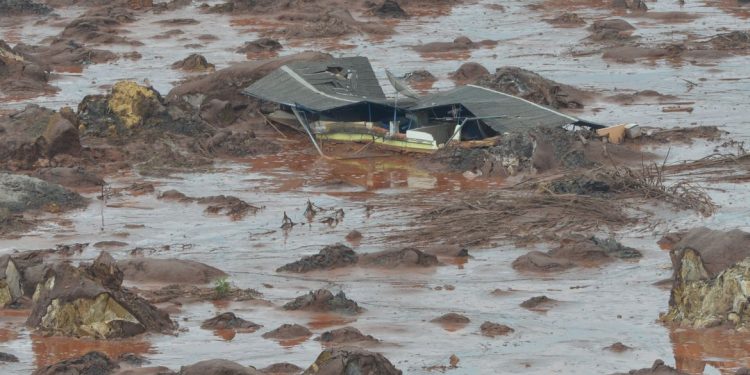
[
  {"x": 400, "y": 144},
  {"x": 131, "y": 102},
  {"x": 615, "y": 134}
]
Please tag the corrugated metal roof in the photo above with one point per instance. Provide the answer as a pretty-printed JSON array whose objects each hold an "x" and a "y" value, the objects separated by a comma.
[
  {"x": 321, "y": 86},
  {"x": 509, "y": 113}
]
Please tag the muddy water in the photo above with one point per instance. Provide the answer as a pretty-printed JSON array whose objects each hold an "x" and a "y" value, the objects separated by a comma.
[{"x": 597, "y": 306}]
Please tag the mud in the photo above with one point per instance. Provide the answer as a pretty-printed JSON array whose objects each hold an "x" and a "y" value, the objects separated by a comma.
[
  {"x": 288, "y": 332},
  {"x": 346, "y": 336},
  {"x": 658, "y": 368},
  {"x": 574, "y": 252},
  {"x": 535, "y": 88},
  {"x": 169, "y": 271},
  {"x": 323, "y": 300},
  {"x": 230, "y": 206},
  {"x": 469, "y": 72}
]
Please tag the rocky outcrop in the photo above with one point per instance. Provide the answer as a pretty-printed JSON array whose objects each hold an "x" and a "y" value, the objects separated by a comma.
[
  {"x": 711, "y": 270},
  {"x": 89, "y": 301},
  {"x": 534, "y": 88},
  {"x": 11, "y": 287},
  {"x": 351, "y": 361},
  {"x": 575, "y": 252},
  {"x": 323, "y": 300},
  {"x": 330, "y": 257},
  {"x": 194, "y": 63},
  {"x": 35, "y": 135},
  {"x": 171, "y": 271},
  {"x": 230, "y": 321}
]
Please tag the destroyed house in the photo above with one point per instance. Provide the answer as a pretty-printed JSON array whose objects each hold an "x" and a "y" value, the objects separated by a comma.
[{"x": 342, "y": 100}]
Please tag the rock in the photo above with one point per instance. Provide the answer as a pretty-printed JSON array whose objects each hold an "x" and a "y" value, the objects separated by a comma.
[
  {"x": 388, "y": 9},
  {"x": 262, "y": 45},
  {"x": 172, "y": 271},
  {"x": 36, "y": 133},
  {"x": 567, "y": 20},
  {"x": 194, "y": 63},
  {"x": 21, "y": 78},
  {"x": 408, "y": 257},
  {"x": 217, "y": 367},
  {"x": 539, "y": 303},
  {"x": 469, "y": 72},
  {"x": 19, "y": 193},
  {"x": 451, "y": 318},
  {"x": 330, "y": 257},
  {"x": 288, "y": 332},
  {"x": 534, "y": 88},
  {"x": 5, "y": 357},
  {"x": 711, "y": 268},
  {"x": 89, "y": 364},
  {"x": 346, "y": 336},
  {"x": 11, "y": 287},
  {"x": 90, "y": 301},
  {"x": 282, "y": 369},
  {"x": 71, "y": 177},
  {"x": 230, "y": 321},
  {"x": 618, "y": 347},
  {"x": 323, "y": 300},
  {"x": 573, "y": 252},
  {"x": 341, "y": 361},
  {"x": 490, "y": 329},
  {"x": 658, "y": 368},
  {"x": 22, "y": 7}
]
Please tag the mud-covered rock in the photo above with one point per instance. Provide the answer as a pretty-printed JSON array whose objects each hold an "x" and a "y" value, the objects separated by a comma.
[
  {"x": 34, "y": 134},
  {"x": 6, "y": 357},
  {"x": 194, "y": 63},
  {"x": 351, "y": 361},
  {"x": 419, "y": 76},
  {"x": 490, "y": 329},
  {"x": 408, "y": 257},
  {"x": 575, "y": 251},
  {"x": 89, "y": 364},
  {"x": 21, "y": 78},
  {"x": 288, "y": 332},
  {"x": 22, "y": 7},
  {"x": 330, "y": 257},
  {"x": 658, "y": 368},
  {"x": 19, "y": 193},
  {"x": 217, "y": 367},
  {"x": 567, "y": 20},
  {"x": 618, "y": 347},
  {"x": 322, "y": 300},
  {"x": 64, "y": 55},
  {"x": 386, "y": 9},
  {"x": 461, "y": 43},
  {"x": 262, "y": 45},
  {"x": 172, "y": 271},
  {"x": 534, "y": 88},
  {"x": 451, "y": 318},
  {"x": 635, "y": 5},
  {"x": 89, "y": 301},
  {"x": 71, "y": 177},
  {"x": 346, "y": 336},
  {"x": 539, "y": 303},
  {"x": 11, "y": 287},
  {"x": 228, "y": 320},
  {"x": 611, "y": 30},
  {"x": 711, "y": 268},
  {"x": 100, "y": 26},
  {"x": 283, "y": 368}
]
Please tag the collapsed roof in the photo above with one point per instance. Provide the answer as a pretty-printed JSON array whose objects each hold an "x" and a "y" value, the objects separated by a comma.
[
  {"x": 343, "y": 82},
  {"x": 321, "y": 85}
]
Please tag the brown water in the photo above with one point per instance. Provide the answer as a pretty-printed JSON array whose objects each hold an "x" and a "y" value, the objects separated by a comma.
[{"x": 599, "y": 306}]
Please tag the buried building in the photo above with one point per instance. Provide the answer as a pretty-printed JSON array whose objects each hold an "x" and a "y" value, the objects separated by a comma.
[{"x": 342, "y": 100}]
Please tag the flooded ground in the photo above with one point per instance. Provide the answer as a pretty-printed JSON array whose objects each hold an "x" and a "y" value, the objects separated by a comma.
[{"x": 597, "y": 307}]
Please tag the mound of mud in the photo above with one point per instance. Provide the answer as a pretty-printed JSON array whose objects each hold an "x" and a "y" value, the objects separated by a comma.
[
  {"x": 22, "y": 7},
  {"x": 194, "y": 63},
  {"x": 172, "y": 271},
  {"x": 288, "y": 332},
  {"x": 451, "y": 318},
  {"x": 64, "y": 55},
  {"x": 226, "y": 205},
  {"x": 658, "y": 368},
  {"x": 469, "y": 72},
  {"x": 534, "y": 88},
  {"x": 228, "y": 320},
  {"x": 408, "y": 257},
  {"x": 89, "y": 301},
  {"x": 282, "y": 369},
  {"x": 217, "y": 367},
  {"x": 19, "y": 193},
  {"x": 322, "y": 300},
  {"x": 539, "y": 303},
  {"x": 567, "y": 20},
  {"x": 330, "y": 257},
  {"x": 34, "y": 135},
  {"x": 634, "y": 5},
  {"x": 711, "y": 268},
  {"x": 611, "y": 30},
  {"x": 346, "y": 336},
  {"x": 260, "y": 46},
  {"x": 21, "y": 78},
  {"x": 351, "y": 361},
  {"x": 71, "y": 177},
  {"x": 575, "y": 252},
  {"x": 461, "y": 43},
  {"x": 490, "y": 329},
  {"x": 100, "y": 26},
  {"x": 419, "y": 76}
]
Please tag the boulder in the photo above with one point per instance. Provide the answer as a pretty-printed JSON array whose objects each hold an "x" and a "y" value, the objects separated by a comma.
[
  {"x": 88, "y": 364},
  {"x": 323, "y": 300},
  {"x": 330, "y": 257},
  {"x": 11, "y": 287},
  {"x": 89, "y": 301},
  {"x": 217, "y": 367},
  {"x": 171, "y": 271},
  {"x": 194, "y": 63},
  {"x": 534, "y": 88},
  {"x": 711, "y": 269},
  {"x": 340, "y": 361},
  {"x": 36, "y": 133},
  {"x": 228, "y": 320}
]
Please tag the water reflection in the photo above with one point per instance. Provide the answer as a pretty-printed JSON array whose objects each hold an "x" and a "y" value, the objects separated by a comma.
[
  {"x": 53, "y": 349},
  {"x": 724, "y": 349}
]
